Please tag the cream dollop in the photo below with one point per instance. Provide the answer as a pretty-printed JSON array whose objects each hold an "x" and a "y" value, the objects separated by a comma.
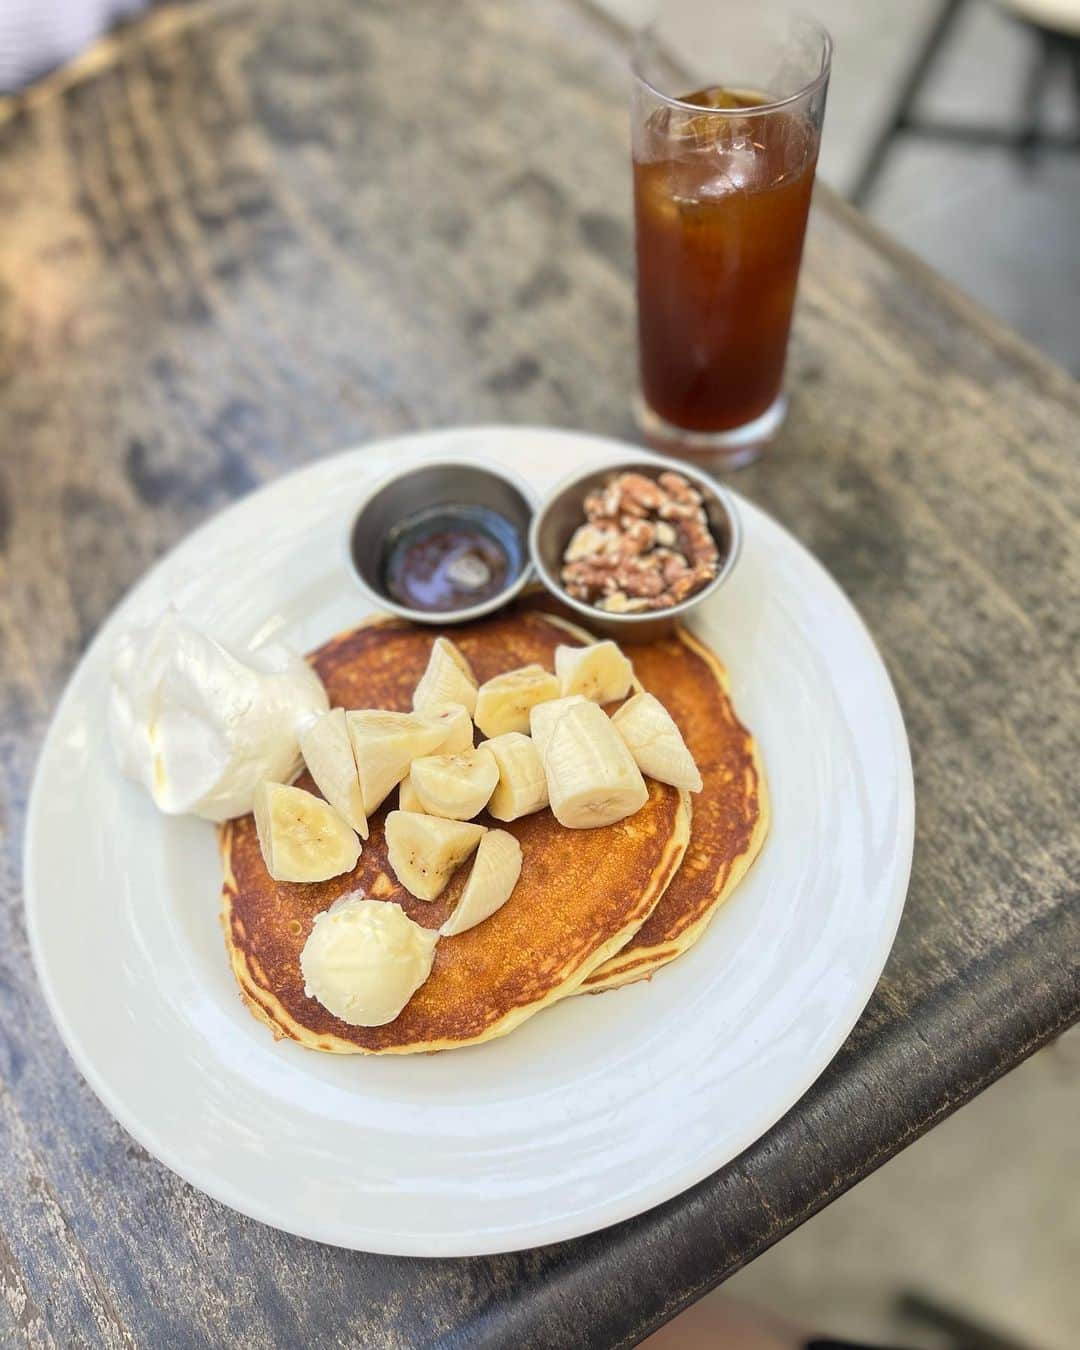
[
  {"x": 364, "y": 959},
  {"x": 199, "y": 727}
]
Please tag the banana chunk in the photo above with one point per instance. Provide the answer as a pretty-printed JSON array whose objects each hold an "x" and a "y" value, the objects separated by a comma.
[
  {"x": 455, "y": 786},
  {"x": 426, "y": 851},
  {"x": 494, "y": 875},
  {"x": 385, "y": 745},
  {"x": 522, "y": 786},
  {"x": 591, "y": 775},
  {"x": 302, "y": 838},
  {"x": 504, "y": 702},
  {"x": 544, "y": 716},
  {"x": 447, "y": 679},
  {"x": 600, "y": 672},
  {"x": 407, "y": 799},
  {"x": 328, "y": 754},
  {"x": 656, "y": 743},
  {"x": 455, "y": 720}
]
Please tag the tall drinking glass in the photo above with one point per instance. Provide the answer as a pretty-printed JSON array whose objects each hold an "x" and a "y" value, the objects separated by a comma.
[{"x": 727, "y": 111}]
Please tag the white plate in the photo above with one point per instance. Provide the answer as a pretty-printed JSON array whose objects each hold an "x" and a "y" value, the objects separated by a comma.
[{"x": 592, "y": 1111}]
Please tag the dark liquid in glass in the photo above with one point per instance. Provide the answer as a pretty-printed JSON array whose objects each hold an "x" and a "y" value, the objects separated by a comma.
[{"x": 721, "y": 206}]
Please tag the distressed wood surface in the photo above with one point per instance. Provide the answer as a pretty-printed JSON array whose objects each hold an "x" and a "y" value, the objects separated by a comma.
[{"x": 236, "y": 239}]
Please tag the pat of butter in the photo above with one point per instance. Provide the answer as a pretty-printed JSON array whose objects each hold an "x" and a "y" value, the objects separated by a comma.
[{"x": 364, "y": 959}]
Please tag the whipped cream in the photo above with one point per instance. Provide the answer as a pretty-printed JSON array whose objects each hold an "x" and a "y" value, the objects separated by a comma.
[
  {"x": 364, "y": 959},
  {"x": 199, "y": 727}
]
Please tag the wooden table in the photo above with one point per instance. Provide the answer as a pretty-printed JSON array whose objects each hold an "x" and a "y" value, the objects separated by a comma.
[{"x": 237, "y": 239}]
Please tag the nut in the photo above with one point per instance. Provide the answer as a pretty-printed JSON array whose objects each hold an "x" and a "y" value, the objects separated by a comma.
[
  {"x": 590, "y": 539},
  {"x": 645, "y": 544},
  {"x": 641, "y": 535},
  {"x": 637, "y": 491},
  {"x": 618, "y": 602}
]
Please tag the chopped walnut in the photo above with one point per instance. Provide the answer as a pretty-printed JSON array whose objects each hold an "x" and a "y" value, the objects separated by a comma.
[
  {"x": 591, "y": 539},
  {"x": 678, "y": 510},
  {"x": 618, "y": 602},
  {"x": 696, "y": 542},
  {"x": 640, "y": 535},
  {"x": 644, "y": 545},
  {"x": 638, "y": 493},
  {"x": 673, "y": 567},
  {"x": 678, "y": 489}
]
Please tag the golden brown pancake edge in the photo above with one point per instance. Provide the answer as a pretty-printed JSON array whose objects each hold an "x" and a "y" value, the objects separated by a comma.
[{"x": 730, "y": 823}]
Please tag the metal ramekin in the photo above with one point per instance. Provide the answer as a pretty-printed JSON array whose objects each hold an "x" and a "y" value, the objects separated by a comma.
[
  {"x": 563, "y": 511},
  {"x": 434, "y": 483}
]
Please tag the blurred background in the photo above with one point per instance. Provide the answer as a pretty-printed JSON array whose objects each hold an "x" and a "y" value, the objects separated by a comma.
[{"x": 956, "y": 125}]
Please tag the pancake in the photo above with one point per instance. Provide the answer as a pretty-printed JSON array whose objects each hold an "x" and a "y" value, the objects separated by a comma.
[
  {"x": 582, "y": 893},
  {"x": 730, "y": 815}
]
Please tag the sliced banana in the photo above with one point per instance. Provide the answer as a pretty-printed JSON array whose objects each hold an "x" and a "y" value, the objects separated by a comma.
[
  {"x": 591, "y": 775},
  {"x": 426, "y": 851},
  {"x": 522, "y": 786},
  {"x": 455, "y": 786},
  {"x": 447, "y": 679},
  {"x": 455, "y": 720},
  {"x": 656, "y": 743},
  {"x": 385, "y": 744},
  {"x": 504, "y": 702},
  {"x": 544, "y": 716},
  {"x": 329, "y": 757},
  {"x": 600, "y": 672},
  {"x": 494, "y": 875},
  {"x": 302, "y": 838},
  {"x": 407, "y": 799}
]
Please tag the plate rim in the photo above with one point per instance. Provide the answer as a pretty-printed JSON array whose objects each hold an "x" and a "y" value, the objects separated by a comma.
[{"x": 599, "y": 1215}]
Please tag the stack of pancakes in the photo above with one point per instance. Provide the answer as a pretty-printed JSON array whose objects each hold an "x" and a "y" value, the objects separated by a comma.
[{"x": 594, "y": 909}]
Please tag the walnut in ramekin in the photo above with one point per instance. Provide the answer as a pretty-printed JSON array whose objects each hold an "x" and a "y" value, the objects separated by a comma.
[{"x": 645, "y": 545}]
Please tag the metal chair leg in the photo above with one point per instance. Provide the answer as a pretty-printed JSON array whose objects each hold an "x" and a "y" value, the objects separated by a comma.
[
  {"x": 964, "y": 1333},
  {"x": 917, "y": 74},
  {"x": 1031, "y": 106},
  {"x": 1074, "y": 64}
]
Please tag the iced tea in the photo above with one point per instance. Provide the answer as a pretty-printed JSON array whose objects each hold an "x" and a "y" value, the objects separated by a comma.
[{"x": 721, "y": 206}]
